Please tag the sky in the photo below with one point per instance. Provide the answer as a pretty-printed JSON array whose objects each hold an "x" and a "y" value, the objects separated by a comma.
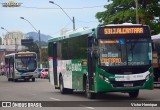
[{"x": 49, "y": 18}]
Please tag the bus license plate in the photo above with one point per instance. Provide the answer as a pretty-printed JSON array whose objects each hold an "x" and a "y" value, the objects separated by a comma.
[{"x": 128, "y": 84}]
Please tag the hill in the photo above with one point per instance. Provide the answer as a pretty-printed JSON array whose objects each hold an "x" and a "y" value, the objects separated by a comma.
[{"x": 35, "y": 36}]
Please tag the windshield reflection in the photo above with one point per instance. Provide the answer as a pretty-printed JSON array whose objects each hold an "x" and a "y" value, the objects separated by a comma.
[{"x": 122, "y": 52}]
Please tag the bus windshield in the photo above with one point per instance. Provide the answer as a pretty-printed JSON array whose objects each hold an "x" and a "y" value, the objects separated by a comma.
[
  {"x": 26, "y": 64},
  {"x": 139, "y": 52},
  {"x": 122, "y": 52}
]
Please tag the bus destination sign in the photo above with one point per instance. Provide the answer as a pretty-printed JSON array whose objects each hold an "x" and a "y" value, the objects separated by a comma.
[
  {"x": 124, "y": 30},
  {"x": 25, "y": 55}
]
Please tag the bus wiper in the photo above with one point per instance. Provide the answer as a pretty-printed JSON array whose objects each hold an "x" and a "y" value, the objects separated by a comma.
[
  {"x": 118, "y": 47},
  {"x": 133, "y": 46}
]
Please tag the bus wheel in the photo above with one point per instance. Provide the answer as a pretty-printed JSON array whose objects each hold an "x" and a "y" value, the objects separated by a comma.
[
  {"x": 33, "y": 79},
  {"x": 69, "y": 91},
  {"x": 26, "y": 79},
  {"x": 62, "y": 89},
  {"x": 134, "y": 94},
  {"x": 15, "y": 80},
  {"x": 9, "y": 79},
  {"x": 90, "y": 95}
]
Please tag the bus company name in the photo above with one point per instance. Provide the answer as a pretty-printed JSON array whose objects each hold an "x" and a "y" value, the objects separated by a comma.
[
  {"x": 11, "y": 3},
  {"x": 123, "y": 31},
  {"x": 24, "y": 55},
  {"x": 74, "y": 67}
]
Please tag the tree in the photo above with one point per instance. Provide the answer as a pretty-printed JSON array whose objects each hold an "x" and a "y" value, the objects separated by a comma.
[
  {"x": 44, "y": 57},
  {"x": 120, "y": 11},
  {"x": 34, "y": 48}
]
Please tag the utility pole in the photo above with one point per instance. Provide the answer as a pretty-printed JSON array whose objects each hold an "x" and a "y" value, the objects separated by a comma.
[
  {"x": 73, "y": 20},
  {"x": 137, "y": 17},
  {"x": 40, "y": 52},
  {"x": 39, "y": 35}
]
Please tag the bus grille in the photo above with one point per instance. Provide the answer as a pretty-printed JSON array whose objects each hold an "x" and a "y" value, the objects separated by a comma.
[{"x": 129, "y": 83}]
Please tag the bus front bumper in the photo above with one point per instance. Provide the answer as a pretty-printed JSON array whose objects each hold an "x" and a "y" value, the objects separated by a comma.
[{"x": 120, "y": 86}]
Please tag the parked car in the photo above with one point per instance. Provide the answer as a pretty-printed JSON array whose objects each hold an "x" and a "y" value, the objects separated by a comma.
[
  {"x": 44, "y": 73},
  {"x": 38, "y": 71}
]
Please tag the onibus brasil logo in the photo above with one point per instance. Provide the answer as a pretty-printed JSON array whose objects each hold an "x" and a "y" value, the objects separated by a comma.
[{"x": 11, "y": 3}]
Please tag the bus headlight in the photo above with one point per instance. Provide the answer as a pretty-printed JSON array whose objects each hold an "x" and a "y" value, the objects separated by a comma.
[
  {"x": 147, "y": 77},
  {"x": 17, "y": 73},
  {"x": 104, "y": 78}
]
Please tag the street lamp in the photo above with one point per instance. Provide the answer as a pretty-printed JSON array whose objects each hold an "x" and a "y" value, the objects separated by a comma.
[
  {"x": 39, "y": 41},
  {"x": 12, "y": 37},
  {"x": 5, "y": 29},
  {"x": 73, "y": 21}
]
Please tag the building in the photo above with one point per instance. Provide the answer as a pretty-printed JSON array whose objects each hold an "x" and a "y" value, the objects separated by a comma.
[{"x": 11, "y": 42}]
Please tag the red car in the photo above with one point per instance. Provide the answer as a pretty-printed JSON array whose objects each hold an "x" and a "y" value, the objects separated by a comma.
[{"x": 44, "y": 73}]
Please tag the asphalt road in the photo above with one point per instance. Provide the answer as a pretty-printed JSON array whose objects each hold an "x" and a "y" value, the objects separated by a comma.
[{"x": 42, "y": 90}]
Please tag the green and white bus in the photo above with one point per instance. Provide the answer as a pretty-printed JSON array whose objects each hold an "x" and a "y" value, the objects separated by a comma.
[
  {"x": 110, "y": 58},
  {"x": 21, "y": 65},
  {"x": 156, "y": 58}
]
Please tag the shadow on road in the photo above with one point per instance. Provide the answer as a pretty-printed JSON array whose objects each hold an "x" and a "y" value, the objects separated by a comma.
[{"x": 114, "y": 96}]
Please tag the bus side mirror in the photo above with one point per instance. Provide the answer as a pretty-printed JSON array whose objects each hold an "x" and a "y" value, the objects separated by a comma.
[
  {"x": 95, "y": 42},
  {"x": 95, "y": 54}
]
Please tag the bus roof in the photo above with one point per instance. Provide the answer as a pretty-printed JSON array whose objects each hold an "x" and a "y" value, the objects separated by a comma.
[
  {"x": 124, "y": 24},
  {"x": 72, "y": 34},
  {"x": 155, "y": 37},
  {"x": 88, "y": 31},
  {"x": 13, "y": 54}
]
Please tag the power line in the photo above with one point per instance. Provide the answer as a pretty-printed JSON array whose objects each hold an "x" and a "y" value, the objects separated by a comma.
[{"x": 64, "y": 8}]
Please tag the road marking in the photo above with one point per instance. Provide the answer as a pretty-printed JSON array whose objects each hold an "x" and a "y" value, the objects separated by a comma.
[
  {"x": 90, "y": 108},
  {"x": 87, "y": 107},
  {"x": 55, "y": 99}
]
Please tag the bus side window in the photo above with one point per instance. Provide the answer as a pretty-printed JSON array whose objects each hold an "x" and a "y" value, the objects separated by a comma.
[{"x": 12, "y": 61}]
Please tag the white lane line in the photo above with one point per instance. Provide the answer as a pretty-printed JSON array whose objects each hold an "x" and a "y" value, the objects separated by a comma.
[
  {"x": 55, "y": 99},
  {"x": 87, "y": 107},
  {"x": 90, "y": 108}
]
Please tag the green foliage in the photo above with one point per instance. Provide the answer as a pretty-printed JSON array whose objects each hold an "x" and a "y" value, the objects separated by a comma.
[
  {"x": 44, "y": 57},
  {"x": 120, "y": 11}
]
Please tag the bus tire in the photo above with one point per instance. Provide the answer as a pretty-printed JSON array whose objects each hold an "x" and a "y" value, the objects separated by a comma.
[
  {"x": 26, "y": 79},
  {"x": 134, "y": 94},
  {"x": 84, "y": 83},
  {"x": 90, "y": 95},
  {"x": 9, "y": 79},
  {"x": 33, "y": 79},
  {"x": 69, "y": 91},
  {"x": 62, "y": 89},
  {"x": 15, "y": 80}
]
